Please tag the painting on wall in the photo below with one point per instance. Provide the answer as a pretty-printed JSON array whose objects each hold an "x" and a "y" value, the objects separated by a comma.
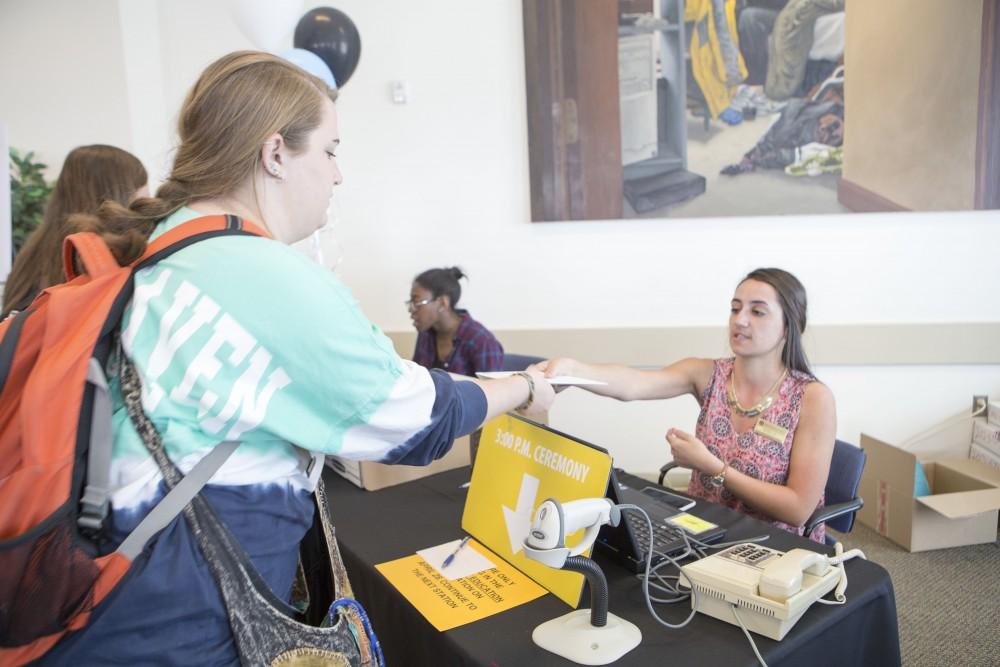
[{"x": 723, "y": 107}]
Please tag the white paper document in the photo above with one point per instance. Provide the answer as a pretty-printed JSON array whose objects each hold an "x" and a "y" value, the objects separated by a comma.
[
  {"x": 557, "y": 380},
  {"x": 466, "y": 562}
]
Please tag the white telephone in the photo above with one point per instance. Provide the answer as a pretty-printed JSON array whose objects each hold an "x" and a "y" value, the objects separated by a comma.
[{"x": 770, "y": 590}]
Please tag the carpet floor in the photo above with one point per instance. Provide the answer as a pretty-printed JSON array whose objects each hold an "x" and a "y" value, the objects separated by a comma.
[{"x": 948, "y": 600}]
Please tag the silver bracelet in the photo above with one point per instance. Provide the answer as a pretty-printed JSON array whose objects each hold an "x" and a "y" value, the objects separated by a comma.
[{"x": 531, "y": 390}]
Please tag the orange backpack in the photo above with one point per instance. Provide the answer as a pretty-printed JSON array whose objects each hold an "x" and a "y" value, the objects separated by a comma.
[{"x": 55, "y": 443}]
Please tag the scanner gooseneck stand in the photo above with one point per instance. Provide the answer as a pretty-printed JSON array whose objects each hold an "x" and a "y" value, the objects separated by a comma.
[{"x": 587, "y": 637}]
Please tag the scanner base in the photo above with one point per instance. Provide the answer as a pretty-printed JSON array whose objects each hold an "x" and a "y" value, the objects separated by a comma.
[{"x": 574, "y": 638}]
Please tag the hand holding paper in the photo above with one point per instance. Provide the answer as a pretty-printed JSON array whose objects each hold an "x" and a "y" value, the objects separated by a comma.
[{"x": 565, "y": 380}]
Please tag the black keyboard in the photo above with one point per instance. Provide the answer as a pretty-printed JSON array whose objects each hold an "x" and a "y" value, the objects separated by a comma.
[{"x": 666, "y": 538}]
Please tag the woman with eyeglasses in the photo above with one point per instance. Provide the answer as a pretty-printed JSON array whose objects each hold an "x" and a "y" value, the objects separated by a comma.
[
  {"x": 448, "y": 337},
  {"x": 765, "y": 435}
]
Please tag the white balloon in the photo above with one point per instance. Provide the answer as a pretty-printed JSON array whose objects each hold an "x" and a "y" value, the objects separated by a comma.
[{"x": 266, "y": 22}]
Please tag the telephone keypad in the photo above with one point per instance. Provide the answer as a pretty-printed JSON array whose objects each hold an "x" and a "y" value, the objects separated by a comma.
[{"x": 751, "y": 554}]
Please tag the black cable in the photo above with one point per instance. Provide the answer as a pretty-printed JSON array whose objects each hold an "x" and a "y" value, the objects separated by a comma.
[{"x": 692, "y": 547}]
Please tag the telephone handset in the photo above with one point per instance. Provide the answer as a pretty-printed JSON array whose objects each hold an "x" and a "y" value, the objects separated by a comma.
[{"x": 782, "y": 577}]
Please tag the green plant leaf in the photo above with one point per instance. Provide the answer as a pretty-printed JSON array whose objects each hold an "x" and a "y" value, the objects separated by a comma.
[{"x": 29, "y": 192}]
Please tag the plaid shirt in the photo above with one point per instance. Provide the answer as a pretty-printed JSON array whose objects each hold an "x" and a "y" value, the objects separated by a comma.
[{"x": 474, "y": 349}]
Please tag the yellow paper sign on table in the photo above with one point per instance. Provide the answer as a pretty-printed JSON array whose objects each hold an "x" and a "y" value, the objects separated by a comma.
[
  {"x": 691, "y": 523},
  {"x": 519, "y": 465},
  {"x": 449, "y": 603}
]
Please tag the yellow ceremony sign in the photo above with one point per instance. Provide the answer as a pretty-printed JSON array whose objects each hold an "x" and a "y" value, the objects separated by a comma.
[
  {"x": 449, "y": 603},
  {"x": 519, "y": 465}
]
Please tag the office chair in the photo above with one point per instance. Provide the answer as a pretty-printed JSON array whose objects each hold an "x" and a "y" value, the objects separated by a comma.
[
  {"x": 518, "y": 362},
  {"x": 841, "y": 493}
]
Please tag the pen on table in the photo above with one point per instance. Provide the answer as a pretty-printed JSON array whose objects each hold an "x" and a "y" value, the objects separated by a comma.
[{"x": 451, "y": 556}]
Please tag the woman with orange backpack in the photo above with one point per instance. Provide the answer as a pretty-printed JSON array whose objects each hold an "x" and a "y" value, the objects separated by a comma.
[{"x": 241, "y": 339}]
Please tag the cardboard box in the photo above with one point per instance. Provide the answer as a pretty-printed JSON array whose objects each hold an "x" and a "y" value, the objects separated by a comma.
[
  {"x": 962, "y": 506},
  {"x": 373, "y": 476},
  {"x": 979, "y": 453},
  {"x": 986, "y": 435}
]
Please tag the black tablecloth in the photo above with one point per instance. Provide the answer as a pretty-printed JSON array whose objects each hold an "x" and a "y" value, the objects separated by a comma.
[{"x": 375, "y": 527}]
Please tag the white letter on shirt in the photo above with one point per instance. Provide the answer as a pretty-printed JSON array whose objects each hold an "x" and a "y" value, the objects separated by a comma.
[
  {"x": 140, "y": 306},
  {"x": 167, "y": 345},
  {"x": 244, "y": 395}
]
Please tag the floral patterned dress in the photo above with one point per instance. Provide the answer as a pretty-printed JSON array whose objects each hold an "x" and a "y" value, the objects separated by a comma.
[{"x": 750, "y": 453}]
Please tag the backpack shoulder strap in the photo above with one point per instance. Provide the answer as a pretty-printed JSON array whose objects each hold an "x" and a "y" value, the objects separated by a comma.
[
  {"x": 93, "y": 253},
  {"x": 196, "y": 230},
  {"x": 176, "y": 499}
]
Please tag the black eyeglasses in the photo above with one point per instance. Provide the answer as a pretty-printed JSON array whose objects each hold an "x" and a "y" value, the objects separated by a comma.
[{"x": 413, "y": 305}]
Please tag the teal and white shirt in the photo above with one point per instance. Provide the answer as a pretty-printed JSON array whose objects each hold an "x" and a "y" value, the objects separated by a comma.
[{"x": 243, "y": 338}]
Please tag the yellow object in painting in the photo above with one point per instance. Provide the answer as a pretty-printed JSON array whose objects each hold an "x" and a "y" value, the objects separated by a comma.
[{"x": 716, "y": 61}]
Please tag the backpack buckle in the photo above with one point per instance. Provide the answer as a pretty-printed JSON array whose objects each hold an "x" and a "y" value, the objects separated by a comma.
[
  {"x": 93, "y": 508},
  {"x": 97, "y": 491},
  {"x": 314, "y": 469}
]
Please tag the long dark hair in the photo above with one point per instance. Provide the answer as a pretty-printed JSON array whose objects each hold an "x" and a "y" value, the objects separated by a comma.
[
  {"x": 442, "y": 282},
  {"x": 792, "y": 297},
  {"x": 89, "y": 176}
]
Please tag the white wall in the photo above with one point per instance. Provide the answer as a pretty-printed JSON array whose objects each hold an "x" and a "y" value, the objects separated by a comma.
[
  {"x": 62, "y": 78},
  {"x": 444, "y": 179}
]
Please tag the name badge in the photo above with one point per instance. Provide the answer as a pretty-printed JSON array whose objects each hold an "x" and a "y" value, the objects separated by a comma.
[{"x": 770, "y": 431}]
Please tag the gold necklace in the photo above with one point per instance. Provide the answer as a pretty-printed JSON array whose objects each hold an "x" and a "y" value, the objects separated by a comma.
[{"x": 763, "y": 404}]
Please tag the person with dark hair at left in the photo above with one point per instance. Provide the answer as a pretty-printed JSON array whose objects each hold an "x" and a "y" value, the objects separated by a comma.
[
  {"x": 448, "y": 337},
  {"x": 765, "y": 435},
  {"x": 89, "y": 176}
]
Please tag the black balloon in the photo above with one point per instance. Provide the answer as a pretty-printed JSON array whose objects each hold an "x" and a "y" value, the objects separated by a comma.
[{"x": 332, "y": 36}]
